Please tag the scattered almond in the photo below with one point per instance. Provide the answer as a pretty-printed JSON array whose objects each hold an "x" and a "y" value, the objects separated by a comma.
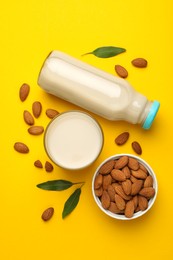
[
  {"x": 122, "y": 138},
  {"x": 139, "y": 62},
  {"x": 48, "y": 166},
  {"x": 51, "y": 113},
  {"x": 28, "y": 118},
  {"x": 24, "y": 91},
  {"x": 36, "y": 109},
  {"x": 36, "y": 130},
  {"x": 121, "y": 71},
  {"x": 47, "y": 214},
  {"x": 21, "y": 147},
  {"x": 38, "y": 164},
  {"x": 136, "y": 147}
]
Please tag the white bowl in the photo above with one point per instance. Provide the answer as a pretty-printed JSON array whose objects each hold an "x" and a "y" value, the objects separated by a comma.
[{"x": 150, "y": 202}]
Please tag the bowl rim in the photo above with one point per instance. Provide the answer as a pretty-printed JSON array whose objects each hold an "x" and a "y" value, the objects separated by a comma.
[{"x": 151, "y": 201}]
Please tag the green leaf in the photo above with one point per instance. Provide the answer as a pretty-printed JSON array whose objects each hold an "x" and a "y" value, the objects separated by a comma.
[
  {"x": 106, "y": 51},
  {"x": 71, "y": 203},
  {"x": 56, "y": 185}
]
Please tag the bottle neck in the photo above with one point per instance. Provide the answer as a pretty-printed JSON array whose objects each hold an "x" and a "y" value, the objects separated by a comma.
[
  {"x": 145, "y": 112},
  {"x": 137, "y": 110},
  {"x": 151, "y": 114},
  {"x": 142, "y": 111}
]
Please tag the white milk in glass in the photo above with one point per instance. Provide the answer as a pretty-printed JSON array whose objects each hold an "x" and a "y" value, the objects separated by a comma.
[{"x": 73, "y": 140}]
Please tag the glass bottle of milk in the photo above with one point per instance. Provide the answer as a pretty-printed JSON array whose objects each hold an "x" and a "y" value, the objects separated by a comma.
[{"x": 97, "y": 91}]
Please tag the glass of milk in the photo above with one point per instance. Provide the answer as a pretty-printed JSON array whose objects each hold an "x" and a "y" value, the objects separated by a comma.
[{"x": 73, "y": 140}]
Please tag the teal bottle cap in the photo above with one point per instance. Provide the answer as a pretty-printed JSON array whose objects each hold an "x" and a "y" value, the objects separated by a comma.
[{"x": 151, "y": 115}]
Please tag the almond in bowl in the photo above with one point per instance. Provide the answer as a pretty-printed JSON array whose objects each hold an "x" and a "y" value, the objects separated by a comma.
[{"x": 124, "y": 187}]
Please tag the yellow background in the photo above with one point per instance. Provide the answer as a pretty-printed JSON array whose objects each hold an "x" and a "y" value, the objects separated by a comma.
[{"x": 29, "y": 30}]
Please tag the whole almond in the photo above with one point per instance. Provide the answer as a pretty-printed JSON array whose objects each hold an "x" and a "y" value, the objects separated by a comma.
[
  {"x": 142, "y": 167},
  {"x": 143, "y": 202},
  {"x": 114, "y": 184},
  {"x": 51, "y": 113},
  {"x": 127, "y": 187},
  {"x": 148, "y": 181},
  {"x": 105, "y": 200},
  {"x": 24, "y": 91},
  {"x": 120, "y": 202},
  {"x": 107, "y": 167},
  {"x": 47, "y": 214},
  {"x": 36, "y": 130},
  {"x": 137, "y": 209},
  {"x": 135, "y": 201},
  {"x": 111, "y": 192},
  {"x": 114, "y": 209},
  {"x": 118, "y": 175},
  {"x": 121, "y": 162},
  {"x": 127, "y": 172},
  {"x": 121, "y": 71},
  {"x": 129, "y": 210},
  {"x": 28, "y": 118},
  {"x": 21, "y": 147},
  {"x": 107, "y": 179},
  {"x": 136, "y": 147},
  {"x": 38, "y": 164},
  {"x": 122, "y": 138},
  {"x": 99, "y": 191},
  {"x": 136, "y": 187},
  {"x": 48, "y": 166},
  {"x": 147, "y": 192},
  {"x": 133, "y": 179},
  {"x": 140, "y": 62},
  {"x": 133, "y": 164},
  {"x": 36, "y": 109},
  {"x": 98, "y": 181},
  {"x": 119, "y": 190},
  {"x": 139, "y": 174}
]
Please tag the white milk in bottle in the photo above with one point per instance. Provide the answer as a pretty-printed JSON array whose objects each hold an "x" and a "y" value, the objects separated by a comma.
[{"x": 95, "y": 90}]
